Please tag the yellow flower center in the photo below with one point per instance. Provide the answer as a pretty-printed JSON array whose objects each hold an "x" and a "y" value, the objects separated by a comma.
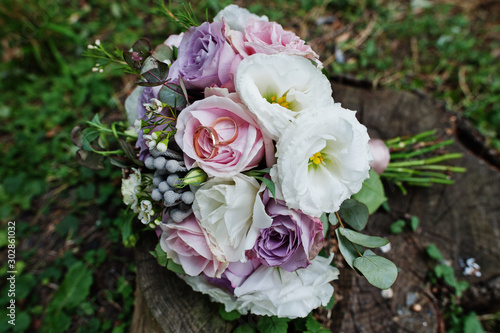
[
  {"x": 281, "y": 101},
  {"x": 316, "y": 158}
]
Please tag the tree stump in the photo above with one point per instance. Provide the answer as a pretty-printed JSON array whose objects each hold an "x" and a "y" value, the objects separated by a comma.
[{"x": 462, "y": 220}]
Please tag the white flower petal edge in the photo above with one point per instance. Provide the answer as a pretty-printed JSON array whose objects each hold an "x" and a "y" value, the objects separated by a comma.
[
  {"x": 276, "y": 292},
  {"x": 237, "y": 17},
  {"x": 231, "y": 214},
  {"x": 279, "y": 87},
  {"x": 199, "y": 283},
  {"x": 323, "y": 158}
]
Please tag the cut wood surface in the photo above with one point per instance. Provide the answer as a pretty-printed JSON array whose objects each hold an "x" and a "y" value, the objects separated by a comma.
[{"x": 462, "y": 220}]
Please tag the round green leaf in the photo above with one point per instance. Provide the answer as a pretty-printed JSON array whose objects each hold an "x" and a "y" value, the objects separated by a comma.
[
  {"x": 379, "y": 271},
  {"x": 372, "y": 193},
  {"x": 354, "y": 213},
  {"x": 364, "y": 240},
  {"x": 347, "y": 249}
]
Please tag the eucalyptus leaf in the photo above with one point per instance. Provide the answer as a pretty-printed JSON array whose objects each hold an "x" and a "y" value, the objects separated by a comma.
[
  {"x": 372, "y": 193},
  {"x": 332, "y": 218},
  {"x": 154, "y": 72},
  {"x": 379, "y": 271},
  {"x": 354, "y": 213},
  {"x": 90, "y": 160},
  {"x": 324, "y": 220},
  {"x": 364, "y": 240},
  {"x": 347, "y": 249},
  {"x": 76, "y": 136},
  {"x": 171, "y": 97},
  {"x": 163, "y": 53}
]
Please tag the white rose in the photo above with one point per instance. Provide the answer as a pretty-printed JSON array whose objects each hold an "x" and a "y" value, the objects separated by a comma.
[
  {"x": 323, "y": 158},
  {"x": 237, "y": 17},
  {"x": 276, "y": 292},
  {"x": 231, "y": 214},
  {"x": 279, "y": 87}
]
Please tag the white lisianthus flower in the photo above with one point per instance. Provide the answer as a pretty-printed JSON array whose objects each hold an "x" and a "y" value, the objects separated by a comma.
[
  {"x": 131, "y": 188},
  {"x": 230, "y": 214},
  {"x": 323, "y": 158},
  {"x": 237, "y": 17},
  {"x": 279, "y": 87},
  {"x": 275, "y": 292}
]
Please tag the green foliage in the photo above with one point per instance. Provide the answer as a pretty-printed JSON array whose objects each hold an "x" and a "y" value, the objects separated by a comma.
[
  {"x": 73, "y": 290},
  {"x": 233, "y": 315},
  {"x": 273, "y": 324},
  {"x": 397, "y": 227},
  {"x": 354, "y": 213},
  {"x": 372, "y": 193},
  {"x": 379, "y": 271}
]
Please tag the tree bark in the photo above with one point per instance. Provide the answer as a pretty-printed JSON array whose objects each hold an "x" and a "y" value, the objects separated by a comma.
[{"x": 461, "y": 220}]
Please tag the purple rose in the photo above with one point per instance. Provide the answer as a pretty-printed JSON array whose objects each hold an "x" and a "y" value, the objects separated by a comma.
[
  {"x": 205, "y": 58},
  {"x": 235, "y": 274},
  {"x": 292, "y": 240}
]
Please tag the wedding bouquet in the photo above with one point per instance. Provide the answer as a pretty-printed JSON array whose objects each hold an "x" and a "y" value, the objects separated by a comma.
[{"x": 241, "y": 161}]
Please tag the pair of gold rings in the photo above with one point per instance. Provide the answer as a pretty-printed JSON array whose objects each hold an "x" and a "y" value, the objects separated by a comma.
[{"x": 214, "y": 136}]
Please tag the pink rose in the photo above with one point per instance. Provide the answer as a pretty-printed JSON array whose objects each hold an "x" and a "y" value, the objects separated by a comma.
[
  {"x": 186, "y": 245},
  {"x": 219, "y": 135},
  {"x": 269, "y": 38}
]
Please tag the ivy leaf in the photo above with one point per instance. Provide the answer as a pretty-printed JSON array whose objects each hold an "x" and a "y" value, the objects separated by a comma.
[
  {"x": 372, "y": 193},
  {"x": 272, "y": 324},
  {"x": 176, "y": 268},
  {"x": 160, "y": 255},
  {"x": 313, "y": 326},
  {"x": 379, "y": 271},
  {"x": 246, "y": 328},
  {"x": 364, "y": 240},
  {"x": 228, "y": 316},
  {"x": 347, "y": 249},
  {"x": 354, "y": 213}
]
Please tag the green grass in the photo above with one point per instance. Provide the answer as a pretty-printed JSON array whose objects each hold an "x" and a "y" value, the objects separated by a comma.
[{"x": 68, "y": 217}]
